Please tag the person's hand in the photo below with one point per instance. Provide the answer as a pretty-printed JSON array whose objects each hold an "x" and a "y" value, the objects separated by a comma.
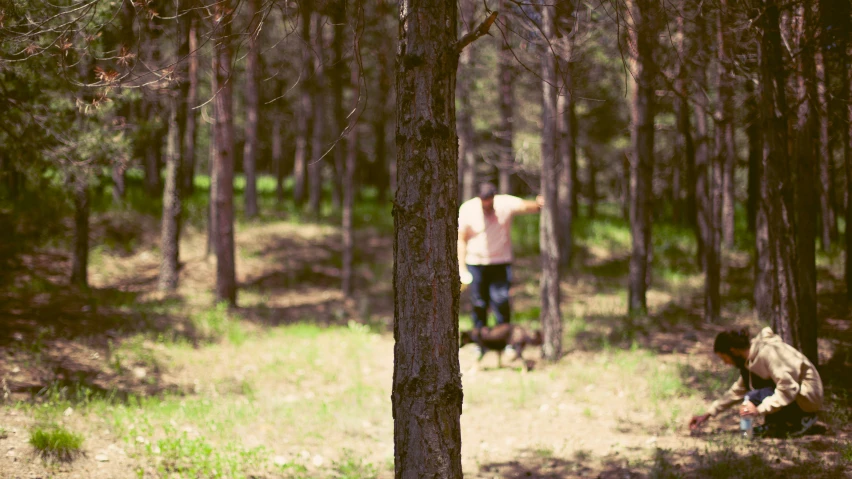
[
  {"x": 698, "y": 421},
  {"x": 465, "y": 276},
  {"x": 539, "y": 200},
  {"x": 748, "y": 409}
]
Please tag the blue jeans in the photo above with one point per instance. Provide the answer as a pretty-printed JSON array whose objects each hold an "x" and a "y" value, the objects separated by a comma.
[
  {"x": 490, "y": 287},
  {"x": 790, "y": 414}
]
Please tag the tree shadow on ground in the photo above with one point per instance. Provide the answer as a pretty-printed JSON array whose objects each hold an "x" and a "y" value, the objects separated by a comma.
[{"x": 808, "y": 458}]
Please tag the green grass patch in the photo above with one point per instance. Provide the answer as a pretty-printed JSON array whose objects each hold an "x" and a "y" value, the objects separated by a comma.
[{"x": 54, "y": 442}]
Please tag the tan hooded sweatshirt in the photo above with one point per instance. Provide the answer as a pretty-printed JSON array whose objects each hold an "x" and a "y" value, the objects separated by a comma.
[{"x": 795, "y": 377}]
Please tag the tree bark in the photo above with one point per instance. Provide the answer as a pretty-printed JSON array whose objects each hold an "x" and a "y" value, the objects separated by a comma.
[
  {"x": 506, "y": 132},
  {"x": 593, "y": 187},
  {"x": 467, "y": 149},
  {"x": 336, "y": 72},
  {"x": 304, "y": 118},
  {"x": 807, "y": 130},
  {"x": 226, "y": 283},
  {"x": 153, "y": 151},
  {"x": 643, "y": 38},
  {"x": 755, "y": 151},
  {"x": 568, "y": 183},
  {"x": 427, "y": 389},
  {"x": 722, "y": 159},
  {"x": 828, "y": 220},
  {"x": 119, "y": 187},
  {"x": 349, "y": 178},
  {"x": 702, "y": 139},
  {"x": 551, "y": 316},
  {"x": 843, "y": 43},
  {"x": 189, "y": 117},
  {"x": 252, "y": 109},
  {"x": 80, "y": 259},
  {"x": 777, "y": 175},
  {"x": 211, "y": 201},
  {"x": 278, "y": 159},
  {"x": 318, "y": 133},
  {"x": 170, "y": 232}
]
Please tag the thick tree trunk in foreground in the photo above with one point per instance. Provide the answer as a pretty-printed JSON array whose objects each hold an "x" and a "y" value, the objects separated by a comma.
[
  {"x": 777, "y": 175},
  {"x": 170, "y": 230},
  {"x": 427, "y": 389},
  {"x": 551, "y": 317},
  {"x": 226, "y": 282},
  {"x": 252, "y": 110},
  {"x": 643, "y": 38}
]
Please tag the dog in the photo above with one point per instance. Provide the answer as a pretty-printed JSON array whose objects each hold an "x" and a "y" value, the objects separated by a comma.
[{"x": 498, "y": 337}]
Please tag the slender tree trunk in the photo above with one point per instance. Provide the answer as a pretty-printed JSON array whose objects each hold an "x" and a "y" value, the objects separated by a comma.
[
  {"x": 551, "y": 317},
  {"x": 348, "y": 180},
  {"x": 153, "y": 152},
  {"x": 335, "y": 75},
  {"x": 643, "y": 37},
  {"x": 764, "y": 280},
  {"x": 119, "y": 187},
  {"x": 806, "y": 194},
  {"x": 190, "y": 116},
  {"x": 318, "y": 136},
  {"x": 464, "y": 87},
  {"x": 427, "y": 389},
  {"x": 702, "y": 139},
  {"x": 170, "y": 232},
  {"x": 226, "y": 283},
  {"x": 728, "y": 190},
  {"x": 304, "y": 118},
  {"x": 211, "y": 160},
  {"x": 506, "y": 133},
  {"x": 845, "y": 98},
  {"x": 828, "y": 221},
  {"x": 593, "y": 187},
  {"x": 278, "y": 159},
  {"x": 777, "y": 175},
  {"x": 755, "y": 151},
  {"x": 567, "y": 148},
  {"x": 726, "y": 147},
  {"x": 381, "y": 125},
  {"x": 721, "y": 160},
  {"x": 80, "y": 259},
  {"x": 252, "y": 109}
]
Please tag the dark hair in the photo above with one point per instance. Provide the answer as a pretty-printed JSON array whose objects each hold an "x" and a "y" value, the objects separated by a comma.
[
  {"x": 486, "y": 190},
  {"x": 731, "y": 339}
]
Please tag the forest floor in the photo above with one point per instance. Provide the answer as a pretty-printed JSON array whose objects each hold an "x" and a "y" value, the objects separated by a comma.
[{"x": 295, "y": 383}]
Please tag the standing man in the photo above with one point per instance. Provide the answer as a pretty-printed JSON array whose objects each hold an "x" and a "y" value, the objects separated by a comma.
[
  {"x": 779, "y": 382},
  {"x": 485, "y": 249}
]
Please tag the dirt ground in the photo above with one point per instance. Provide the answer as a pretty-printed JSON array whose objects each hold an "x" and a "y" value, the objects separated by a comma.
[{"x": 615, "y": 406}]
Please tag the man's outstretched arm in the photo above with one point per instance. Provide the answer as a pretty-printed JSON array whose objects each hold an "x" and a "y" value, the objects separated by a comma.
[{"x": 532, "y": 206}]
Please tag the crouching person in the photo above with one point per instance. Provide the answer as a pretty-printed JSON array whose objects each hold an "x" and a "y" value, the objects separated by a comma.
[{"x": 780, "y": 383}]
